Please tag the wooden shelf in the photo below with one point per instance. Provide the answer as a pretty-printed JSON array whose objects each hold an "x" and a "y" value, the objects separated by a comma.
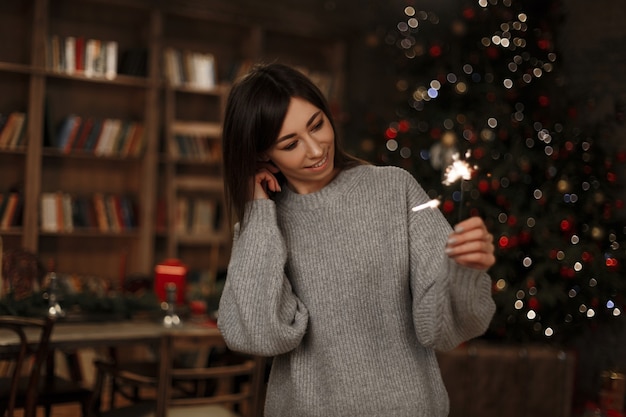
[{"x": 156, "y": 180}]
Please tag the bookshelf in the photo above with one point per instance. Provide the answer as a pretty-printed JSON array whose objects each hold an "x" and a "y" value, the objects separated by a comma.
[{"x": 88, "y": 72}]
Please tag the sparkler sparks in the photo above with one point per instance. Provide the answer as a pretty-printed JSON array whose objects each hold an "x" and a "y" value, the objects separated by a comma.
[
  {"x": 432, "y": 204},
  {"x": 459, "y": 169}
]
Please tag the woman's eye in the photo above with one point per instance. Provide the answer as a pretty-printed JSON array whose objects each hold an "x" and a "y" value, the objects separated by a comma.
[
  {"x": 291, "y": 145},
  {"x": 317, "y": 126}
]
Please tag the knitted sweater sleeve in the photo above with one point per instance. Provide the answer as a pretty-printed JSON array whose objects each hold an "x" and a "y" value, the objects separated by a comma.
[
  {"x": 258, "y": 311},
  {"x": 451, "y": 303}
]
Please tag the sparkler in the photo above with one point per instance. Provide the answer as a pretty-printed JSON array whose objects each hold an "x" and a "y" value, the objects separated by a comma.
[
  {"x": 459, "y": 170},
  {"x": 432, "y": 204}
]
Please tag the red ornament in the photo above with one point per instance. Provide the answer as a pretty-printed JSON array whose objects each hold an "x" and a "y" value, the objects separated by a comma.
[
  {"x": 391, "y": 133},
  {"x": 611, "y": 263},
  {"x": 478, "y": 153},
  {"x": 533, "y": 303},
  {"x": 403, "y": 126},
  {"x": 565, "y": 225},
  {"x": 492, "y": 52},
  {"x": 469, "y": 13},
  {"x": 567, "y": 272},
  {"x": 525, "y": 237},
  {"x": 483, "y": 186},
  {"x": 544, "y": 44},
  {"x": 611, "y": 177},
  {"x": 503, "y": 242},
  {"x": 512, "y": 221},
  {"x": 435, "y": 51},
  {"x": 544, "y": 101}
]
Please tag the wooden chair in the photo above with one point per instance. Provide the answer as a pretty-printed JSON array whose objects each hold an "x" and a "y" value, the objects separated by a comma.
[
  {"x": 23, "y": 273},
  {"x": 230, "y": 385},
  {"x": 20, "y": 388}
]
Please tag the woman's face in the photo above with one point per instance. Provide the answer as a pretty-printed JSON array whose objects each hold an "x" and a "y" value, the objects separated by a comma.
[{"x": 305, "y": 149}]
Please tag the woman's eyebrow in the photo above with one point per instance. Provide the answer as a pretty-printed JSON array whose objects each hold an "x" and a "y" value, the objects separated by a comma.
[{"x": 308, "y": 124}]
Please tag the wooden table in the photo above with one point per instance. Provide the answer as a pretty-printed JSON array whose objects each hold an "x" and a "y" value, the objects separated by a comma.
[
  {"x": 73, "y": 336},
  {"x": 70, "y": 337}
]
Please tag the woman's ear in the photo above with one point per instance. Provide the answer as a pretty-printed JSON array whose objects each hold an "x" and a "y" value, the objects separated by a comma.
[{"x": 263, "y": 158}]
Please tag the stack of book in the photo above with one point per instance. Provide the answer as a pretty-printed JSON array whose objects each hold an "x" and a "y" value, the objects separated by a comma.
[
  {"x": 196, "y": 147},
  {"x": 102, "y": 137},
  {"x": 78, "y": 55},
  {"x": 195, "y": 215},
  {"x": 62, "y": 212},
  {"x": 191, "y": 69}
]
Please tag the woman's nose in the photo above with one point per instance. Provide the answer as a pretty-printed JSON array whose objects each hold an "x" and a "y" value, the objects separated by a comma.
[{"x": 314, "y": 149}]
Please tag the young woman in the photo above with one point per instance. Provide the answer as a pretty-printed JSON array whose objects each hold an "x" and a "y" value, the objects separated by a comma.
[{"x": 331, "y": 271}]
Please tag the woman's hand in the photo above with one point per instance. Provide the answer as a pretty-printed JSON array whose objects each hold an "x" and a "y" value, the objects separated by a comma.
[
  {"x": 265, "y": 180},
  {"x": 471, "y": 244}
]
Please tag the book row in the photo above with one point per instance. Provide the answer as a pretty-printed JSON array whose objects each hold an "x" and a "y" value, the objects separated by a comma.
[
  {"x": 196, "y": 215},
  {"x": 63, "y": 212},
  {"x": 102, "y": 137},
  {"x": 196, "y": 147},
  {"x": 187, "y": 68},
  {"x": 78, "y": 55},
  {"x": 10, "y": 210},
  {"x": 12, "y": 130}
]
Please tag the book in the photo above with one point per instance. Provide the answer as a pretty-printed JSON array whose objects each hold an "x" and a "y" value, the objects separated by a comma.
[
  {"x": 58, "y": 200},
  {"x": 128, "y": 213},
  {"x": 204, "y": 216},
  {"x": 182, "y": 215},
  {"x": 101, "y": 212},
  {"x": 8, "y": 212},
  {"x": 4, "y": 200},
  {"x": 122, "y": 137},
  {"x": 114, "y": 213},
  {"x": 79, "y": 55},
  {"x": 83, "y": 134},
  {"x": 91, "y": 53},
  {"x": 92, "y": 139},
  {"x": 48, "y": 221},
  {"x": 70, "y": 55},
  {"x": 54, "y": 55},
  {"x": 66, "y": 131},
  {"x": 19, "y": 133},
  {"x": 8, "y": 130},
  {"x": 110, "y": 71},
  {"x": 68, "y": 216},
  {"x": 104, "y": 140}
]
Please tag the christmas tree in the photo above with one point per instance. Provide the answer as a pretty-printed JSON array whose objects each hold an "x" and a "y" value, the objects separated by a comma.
[{"x": 482, "y": 85}]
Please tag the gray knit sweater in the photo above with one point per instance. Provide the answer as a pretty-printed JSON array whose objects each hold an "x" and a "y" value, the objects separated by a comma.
[{"x": 352, "y": 293}]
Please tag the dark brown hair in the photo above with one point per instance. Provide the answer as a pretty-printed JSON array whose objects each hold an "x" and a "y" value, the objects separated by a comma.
[{"x": 255, "y": 111}]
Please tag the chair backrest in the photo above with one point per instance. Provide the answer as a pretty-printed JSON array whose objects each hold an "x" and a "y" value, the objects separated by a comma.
[
  {"x": 227, "y": 378},
  {"x": 30, "y": 354}
]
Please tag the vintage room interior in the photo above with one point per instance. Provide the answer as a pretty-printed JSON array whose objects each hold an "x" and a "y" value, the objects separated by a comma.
[{"x": 115, "y": 238}]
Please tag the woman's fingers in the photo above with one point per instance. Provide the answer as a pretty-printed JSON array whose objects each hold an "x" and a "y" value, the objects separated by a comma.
[
  {"x": 471, "y": 244},
  {"x": 264, "y": 180}
]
